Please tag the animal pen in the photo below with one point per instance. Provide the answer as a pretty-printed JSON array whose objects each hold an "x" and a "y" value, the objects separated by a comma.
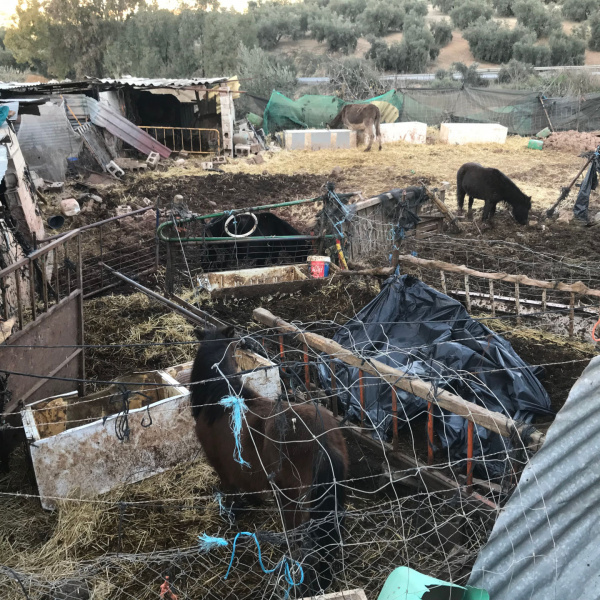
[{"x": 411, "y": 499}]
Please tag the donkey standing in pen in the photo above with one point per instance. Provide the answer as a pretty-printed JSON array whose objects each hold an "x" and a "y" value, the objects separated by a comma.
[
  {"x": 297, "y": 447},
  {"x": 492, "y": 186},
  {"x": 360, "y": 117}
]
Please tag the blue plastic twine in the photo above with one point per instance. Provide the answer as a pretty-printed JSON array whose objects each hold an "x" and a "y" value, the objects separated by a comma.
[
  {"x": 206, "y": 542},
  {"x": 284, "y": 562},
  {"x": 238, "y": 409}
]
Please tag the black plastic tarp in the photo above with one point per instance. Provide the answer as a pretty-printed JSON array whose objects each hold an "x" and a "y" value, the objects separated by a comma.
[
  {"x": 428, "y": 334},
  {"x": 590, "y": 183}
]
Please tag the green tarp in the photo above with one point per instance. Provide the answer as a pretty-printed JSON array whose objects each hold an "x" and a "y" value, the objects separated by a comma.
[
  {"x": 314, "y": 112},
  {"x": 520, "y": 111}
]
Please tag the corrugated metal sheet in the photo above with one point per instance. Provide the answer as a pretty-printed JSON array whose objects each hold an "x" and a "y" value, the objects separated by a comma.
[
  {"x": 142, "y": 82},
  {"x": 102, "y": 115},
  {"x": 545, "y": 543}
]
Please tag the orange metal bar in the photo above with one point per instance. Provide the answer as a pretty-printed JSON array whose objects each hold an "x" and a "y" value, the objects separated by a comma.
[
  {"x": 361, "y": 388},
  {"x": 395, "y": 419},
  {"x": 470, "y": 430},
  {"x": 306, "y": 368},
  {"x": 334, "y": 406},
  {"x": 429, "y": 433},
  {"x": 281, "y": 353},
  {"x": 192, "y": 131}
]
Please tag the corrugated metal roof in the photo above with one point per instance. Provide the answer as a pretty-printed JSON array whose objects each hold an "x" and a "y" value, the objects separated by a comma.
[
  {"x": 160, "y": 83},
  {"x": 102, "y": 115},
  {"x": 545, "y": 542}
]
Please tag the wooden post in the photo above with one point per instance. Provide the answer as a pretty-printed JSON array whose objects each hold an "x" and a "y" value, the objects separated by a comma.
[
  {"x": 492, "y": 301},
  {"x": 81, "y": 384},
  {"x": 19, "y": 300},
  {"x": 44, "y": 282},
  {"x": 281, "y": 353},
  {"x": 543, "y": 300},
  {"x": 443, "y": 280},
  {"x": 517, "y": 300}
]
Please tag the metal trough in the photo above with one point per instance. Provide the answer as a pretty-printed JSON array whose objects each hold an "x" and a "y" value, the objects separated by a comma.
[
  {"x": 261, "y": 282},
  {"x": 78, "y": 447}
]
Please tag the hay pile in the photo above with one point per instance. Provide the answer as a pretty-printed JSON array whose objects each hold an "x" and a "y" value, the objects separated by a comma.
[{"x": 133, "y": 319}]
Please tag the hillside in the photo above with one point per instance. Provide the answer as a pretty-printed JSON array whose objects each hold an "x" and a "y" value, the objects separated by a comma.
[{"x": 456, "y": 51}]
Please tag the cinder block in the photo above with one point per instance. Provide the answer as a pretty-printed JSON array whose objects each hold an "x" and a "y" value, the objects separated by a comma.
[
  {"x": 206, "y": 165},
  {"x": 219, "y": 160},
  {"x": 183, "y": 154},
  {"x": 242, "y": 150},
  {"x": 114, "y": 169},
  {"x": 472, "y": 133},
  {"x": 153, "y": 159}
]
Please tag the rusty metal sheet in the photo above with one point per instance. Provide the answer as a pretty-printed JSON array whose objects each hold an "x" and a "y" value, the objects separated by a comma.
[{"x": 25, "y": 352}]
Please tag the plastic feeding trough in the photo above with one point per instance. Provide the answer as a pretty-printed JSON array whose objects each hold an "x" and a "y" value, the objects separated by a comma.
[
  {"x": 263, "y": 281},
  {"x": 121, "y": 434}
]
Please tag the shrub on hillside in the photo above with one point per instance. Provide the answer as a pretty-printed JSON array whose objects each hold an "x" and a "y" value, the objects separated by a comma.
[
  {"x": 339, "y": 33},
  {"x": 445, "y": 6},
  {"x": 470, "y": 75},
  {"x": 416, "y": 7},
  {"x": 357, "y": 77},
  {"x": 532, "y": 54},
  {"x": 515, "y": 72},
  {"x": 579, "y": 10},
  {"x": 467, "y": 12},
  {"x": 264, "y": 72},
  {"x": 442, "y": 32},
  {"x": 381, "y": 17},
  {"x": 534, "y": 15},
  {"x": 503, "y": 7},
  {"x": 594, "y": 41},
  {"x": 566, "y": 50},
  {"x": 491, "y": 41},
  {"x": 349, "y": 9}
]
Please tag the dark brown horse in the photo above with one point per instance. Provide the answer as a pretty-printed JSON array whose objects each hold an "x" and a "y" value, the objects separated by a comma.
[
  {"x": 298, "y": 448},
  {"x": 360, "y": 117},
  {"x": 491, "y": 186}
]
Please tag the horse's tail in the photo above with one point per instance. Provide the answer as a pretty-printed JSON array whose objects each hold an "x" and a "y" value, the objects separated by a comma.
[{"x": 328, "y": 501}]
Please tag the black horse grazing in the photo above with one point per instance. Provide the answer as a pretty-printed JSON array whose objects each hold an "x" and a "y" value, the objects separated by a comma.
[
  {"x": 241, "y": 249},
  {"x": 296, "y": 448},
  {"x": 492, "y": 186}
]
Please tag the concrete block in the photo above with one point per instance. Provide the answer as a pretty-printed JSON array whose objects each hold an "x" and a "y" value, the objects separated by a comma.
[
  {"x": 183, "y": 154},
  {"x": 207, "y": 165},
  {"x": 242, "y": 150},
  {"x": 70, "y": 207},
  {"x": 319, "y": 139},
  {"x": 153, "y": 159},
  {"x": 472, "y": 133},
  {"x": 114, "y": 169},
  {"x": 357, "y": 594},
  {"x": 219, "y": 160}
]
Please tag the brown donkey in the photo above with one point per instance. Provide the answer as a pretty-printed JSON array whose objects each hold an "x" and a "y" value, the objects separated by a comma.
[
  {"x": 360, "y": 117},
  {"x": 297, "y": 447}
]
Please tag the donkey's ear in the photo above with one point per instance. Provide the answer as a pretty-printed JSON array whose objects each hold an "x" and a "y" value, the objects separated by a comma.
[
  {"x": 199, "y": 333},
  {"x": 228, "y": 331}
]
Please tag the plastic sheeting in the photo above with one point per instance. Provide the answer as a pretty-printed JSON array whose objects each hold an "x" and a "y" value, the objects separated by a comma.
[
  {"x": 590, "y": 182},
  {"x": 429, "y": 335},
  {"x": 544, "y": 545},
  {"x": 47, "y": 141}
]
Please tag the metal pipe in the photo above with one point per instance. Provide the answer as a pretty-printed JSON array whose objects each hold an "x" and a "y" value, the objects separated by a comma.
[
  {"x": 186, "y": 313},
  {"x": 429, "y": 433}
]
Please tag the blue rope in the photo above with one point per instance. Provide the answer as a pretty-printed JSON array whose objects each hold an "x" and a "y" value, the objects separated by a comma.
[
  {"x": 206, "y": 542},
  {"x": 284, "y": 562},
  {"x": 238, "y": 409}
]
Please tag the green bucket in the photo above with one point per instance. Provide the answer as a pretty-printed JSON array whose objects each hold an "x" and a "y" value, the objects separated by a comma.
[{"x": 535, "y": 144}]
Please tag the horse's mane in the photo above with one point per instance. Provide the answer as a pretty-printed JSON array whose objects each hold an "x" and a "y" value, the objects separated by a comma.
[
  {"x": 216, "y": 347},
  {"x": 512, "y": 186}
]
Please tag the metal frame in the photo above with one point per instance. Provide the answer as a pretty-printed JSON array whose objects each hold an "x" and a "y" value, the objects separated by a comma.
[{"x": 180, "y": 138}]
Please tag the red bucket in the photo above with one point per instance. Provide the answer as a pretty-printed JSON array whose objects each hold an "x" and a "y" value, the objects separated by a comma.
[{"x": 318, "y": 266}]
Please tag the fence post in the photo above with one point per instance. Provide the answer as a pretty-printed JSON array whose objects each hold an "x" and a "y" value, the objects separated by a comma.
[
  {"x": 467, "y": 294},
  {"x": 429, "y": 433},
  {"x": 492, "y": 301},
  {"x": 81, "y": 384}
]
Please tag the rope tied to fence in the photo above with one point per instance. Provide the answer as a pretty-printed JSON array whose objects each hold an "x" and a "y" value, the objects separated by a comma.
[
  {"x": 207, "y": 543},
  {"x": 238, "y": 410}
]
